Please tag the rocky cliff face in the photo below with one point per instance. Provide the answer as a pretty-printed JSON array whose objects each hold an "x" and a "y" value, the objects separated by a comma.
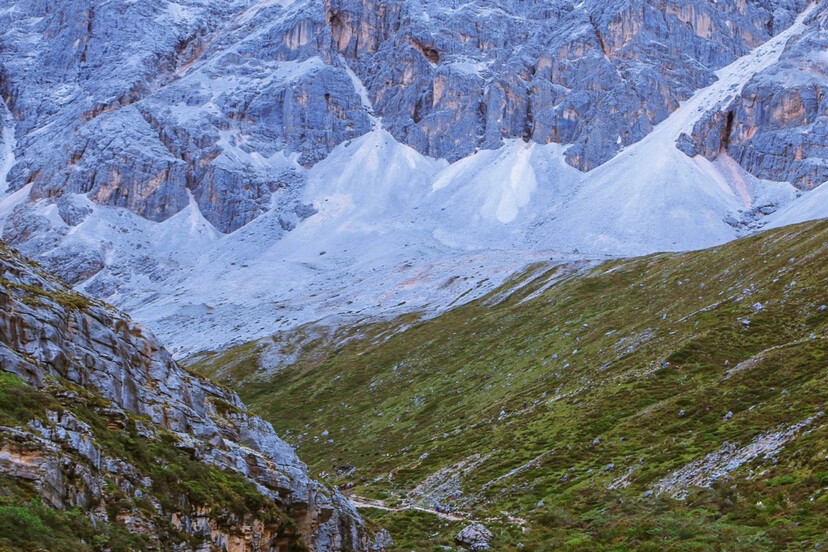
[
  {"x": 146, "y": 103},
  {"x": 156, "y": 151},
  {"x": 121, "y": 433},
  {"x": 777, "y": 126},
  {"x": 451, "y": 78},
  {"x": 138, "y": 105}
]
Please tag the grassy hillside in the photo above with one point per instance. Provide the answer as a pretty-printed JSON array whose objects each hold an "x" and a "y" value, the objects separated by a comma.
[{"x": 670, "y": 402}]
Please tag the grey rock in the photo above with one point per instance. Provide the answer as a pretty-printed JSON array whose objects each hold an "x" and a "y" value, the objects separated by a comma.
[
  {"x": 158, "y": 105},
  {"x": 74, "y": 263},
  {"x": 475, "y": 536},
  {"x": 32, "y": 231},
  {"x": 215, "y": 96},
  {"x": 73, "y": 209},
  {"x": 776, "y": 127},
  {"x": 101, "y": 350},
  {"x": 540, "y": 71},
  {"x": 207, "y": 99}
]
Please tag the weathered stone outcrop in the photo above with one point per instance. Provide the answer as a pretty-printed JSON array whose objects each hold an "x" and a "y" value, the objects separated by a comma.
[
  {"x": 145, "y": 102},
  {"x": 213, "y": 116},
  {"x": 776, "y": 127},
  {"x": 54, "y": 339},
  {"x": 599, "y": 76},
  {"x": 139, "y": 104}
]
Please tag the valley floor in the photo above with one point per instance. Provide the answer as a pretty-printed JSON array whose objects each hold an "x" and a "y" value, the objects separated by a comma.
[{"x": 668, "y": 402}]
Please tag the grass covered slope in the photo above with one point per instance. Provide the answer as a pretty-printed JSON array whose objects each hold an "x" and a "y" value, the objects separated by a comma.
[{"x": 670, "y": 402}]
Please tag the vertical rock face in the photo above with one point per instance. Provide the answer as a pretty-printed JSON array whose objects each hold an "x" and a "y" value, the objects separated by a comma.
[
  {"x": 106, "y": 366},
  {"x": 451, "y": 78},
  {"x": 139, "y": 104},
  {"x": 776, "y": 127},
  {"x": 220, "y": 117}
]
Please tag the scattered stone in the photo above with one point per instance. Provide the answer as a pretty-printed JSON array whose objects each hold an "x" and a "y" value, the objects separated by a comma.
[{"x": 475, "y": 536}]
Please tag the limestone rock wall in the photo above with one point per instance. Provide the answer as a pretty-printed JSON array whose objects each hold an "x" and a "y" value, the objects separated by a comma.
[
  {"x": 139, "y": 104},
  {"x": 47, "y": 332},
  {"x": 776, "y": 127}
]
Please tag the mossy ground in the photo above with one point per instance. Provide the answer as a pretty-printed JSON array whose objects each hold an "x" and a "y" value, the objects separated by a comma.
[{"x": 628, "y": 368}]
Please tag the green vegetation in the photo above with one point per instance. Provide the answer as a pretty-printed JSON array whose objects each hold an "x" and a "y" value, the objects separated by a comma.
[
  {"x": 68, "y": 299},
  {"x": 34, "y": 526},
  {"x": 19, "y": 403},
  {"x": 149, "y": 474},
  {"x": 178, "y": 477},
  {"x": 566, "y": 406},
  {"x": 179, "y": 481}
]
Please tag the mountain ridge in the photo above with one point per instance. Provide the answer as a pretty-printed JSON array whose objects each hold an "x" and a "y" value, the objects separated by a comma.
[{"x": 265, "y": 136}]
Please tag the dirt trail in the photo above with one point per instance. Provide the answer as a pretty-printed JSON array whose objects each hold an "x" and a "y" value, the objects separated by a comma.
[{"x": 362, "y": 502}]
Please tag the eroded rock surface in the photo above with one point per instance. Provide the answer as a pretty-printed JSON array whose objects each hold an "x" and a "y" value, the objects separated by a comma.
[
  {"x": 140, "y": 105},
  {"x": 54, "y": 339},
  {"x": 598, "y": 75},
  {"x": 776, "y": 126}
]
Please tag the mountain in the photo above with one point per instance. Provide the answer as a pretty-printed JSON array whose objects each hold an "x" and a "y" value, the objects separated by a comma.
[
  {"x": 107, "y": 444},
  {"x": 223, "y": 170},
  {"x": 666, "y": 402}
]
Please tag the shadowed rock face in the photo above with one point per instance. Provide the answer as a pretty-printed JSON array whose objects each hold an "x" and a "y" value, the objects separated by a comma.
[
  {"x": 143, "y": 104},
  {"x": 46, "y": 333},
  {"x": 777, "y": 126}
]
